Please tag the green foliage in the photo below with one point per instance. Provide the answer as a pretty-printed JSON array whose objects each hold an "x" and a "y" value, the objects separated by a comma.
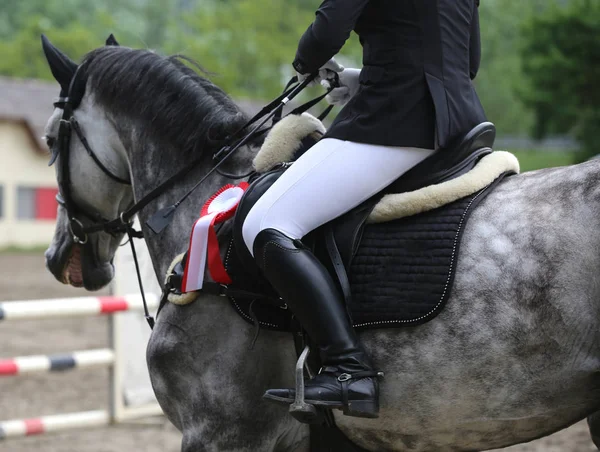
[
  {"x": 236, "y": 41},
  {"x": 22, "y": 56},
  {"x": 530, "y": 160},
  {"x": 249, "y": 44},
  {"x": 500, "y": 74},
  {"x": 76, "y": 27},
  {"x": 561, "y": 55}
]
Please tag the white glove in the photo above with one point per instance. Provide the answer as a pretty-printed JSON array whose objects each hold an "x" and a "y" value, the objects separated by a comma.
[
  {"x": 348, "y": 87},
  {"x": 326, "y": 71}
]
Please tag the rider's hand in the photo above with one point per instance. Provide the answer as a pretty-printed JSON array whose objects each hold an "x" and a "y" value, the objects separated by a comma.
[
  {"x": 326, "y": 72},
  {"x": 348, "y": 87}
]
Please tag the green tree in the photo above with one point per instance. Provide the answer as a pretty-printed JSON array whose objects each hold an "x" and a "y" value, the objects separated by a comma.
[
  {"x": 249, "y": 44},
  {"x": 23, "y": 57},
  {"x": 561, "y": 60},
  {"x": 501, "y": 76},
  {"x": 76, "y": 27}
]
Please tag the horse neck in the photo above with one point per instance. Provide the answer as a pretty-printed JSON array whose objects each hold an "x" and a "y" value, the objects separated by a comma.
[{"x": 151, "y": 164}]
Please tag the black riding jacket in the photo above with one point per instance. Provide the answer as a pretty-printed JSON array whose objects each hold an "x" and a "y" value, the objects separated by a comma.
[{"x": 419, "y": 59}]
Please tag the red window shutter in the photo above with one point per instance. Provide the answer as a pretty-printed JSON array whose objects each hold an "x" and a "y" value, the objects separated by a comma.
[{"x": 45, "y": 203}]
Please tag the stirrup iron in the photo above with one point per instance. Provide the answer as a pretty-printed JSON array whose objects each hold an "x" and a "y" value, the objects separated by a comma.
[{"x": 300, "y": 410}]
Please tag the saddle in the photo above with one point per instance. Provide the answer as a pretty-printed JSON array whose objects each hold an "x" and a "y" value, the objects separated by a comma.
[{"x": 392, "y": 271}]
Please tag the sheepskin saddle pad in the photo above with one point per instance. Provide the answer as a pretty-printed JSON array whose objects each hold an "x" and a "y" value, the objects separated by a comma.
[{"x": 394, "y": 256}]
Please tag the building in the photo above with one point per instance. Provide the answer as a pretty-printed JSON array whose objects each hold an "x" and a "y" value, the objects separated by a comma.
[{"x": 27, "y": 185}]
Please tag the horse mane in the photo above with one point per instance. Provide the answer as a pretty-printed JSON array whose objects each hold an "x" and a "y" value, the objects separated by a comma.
[{"x": 179, "y": 107}]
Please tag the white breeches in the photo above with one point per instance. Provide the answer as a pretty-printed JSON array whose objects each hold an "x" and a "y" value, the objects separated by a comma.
[{"x": 327, "y": 181}]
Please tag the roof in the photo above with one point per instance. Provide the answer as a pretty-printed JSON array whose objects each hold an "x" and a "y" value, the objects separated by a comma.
[{"x": 28, "y": 102}]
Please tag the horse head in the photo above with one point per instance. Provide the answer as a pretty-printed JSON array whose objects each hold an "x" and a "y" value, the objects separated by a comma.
[
  {"x": 93, "y": 177},
  {"x": 126, "y": 118}
]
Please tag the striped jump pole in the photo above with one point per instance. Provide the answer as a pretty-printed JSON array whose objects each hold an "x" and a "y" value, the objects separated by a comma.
[
  {"x": 61, "y": 422},
  {"x": 73, "y": 307},
  {"x": 56, "y": 363},
  {"x": 45, "y": 424}
]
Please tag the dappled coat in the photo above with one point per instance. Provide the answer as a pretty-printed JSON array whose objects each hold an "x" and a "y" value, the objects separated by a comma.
[{"x": 419, "y": 58}]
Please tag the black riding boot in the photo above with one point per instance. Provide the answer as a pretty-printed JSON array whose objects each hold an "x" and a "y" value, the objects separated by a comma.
[{"x": 347, "y": 379}]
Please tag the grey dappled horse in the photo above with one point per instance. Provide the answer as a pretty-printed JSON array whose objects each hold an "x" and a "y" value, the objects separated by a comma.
[{"x": 514, "y": 356}]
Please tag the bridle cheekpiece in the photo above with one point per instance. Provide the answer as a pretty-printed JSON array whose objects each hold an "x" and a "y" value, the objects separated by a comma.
[{"x": 67, "y": 126}]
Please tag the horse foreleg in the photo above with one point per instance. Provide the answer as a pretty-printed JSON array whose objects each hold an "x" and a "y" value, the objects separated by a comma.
[
  {"x": 210, "y": 383},
  {"x": 594, "y": 426}
]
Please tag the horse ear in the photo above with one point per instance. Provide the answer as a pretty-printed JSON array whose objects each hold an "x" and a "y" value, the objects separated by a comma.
[
  {"x": 111, "y": 40},
  {"x": 61, "y": 66}
]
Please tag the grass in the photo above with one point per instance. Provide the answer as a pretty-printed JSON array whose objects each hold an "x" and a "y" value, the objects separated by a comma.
[
  {"x": 533, "y": 159},
  {"x": 23, "y": 250}
]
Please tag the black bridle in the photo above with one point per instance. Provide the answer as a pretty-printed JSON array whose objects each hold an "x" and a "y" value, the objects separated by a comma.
[
  {"x": 79, "y": 232},
  {"x": 67, "y": 126}
]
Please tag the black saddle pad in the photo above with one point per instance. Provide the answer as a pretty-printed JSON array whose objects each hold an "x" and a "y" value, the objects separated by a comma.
[{"x": 401, "y": 274}]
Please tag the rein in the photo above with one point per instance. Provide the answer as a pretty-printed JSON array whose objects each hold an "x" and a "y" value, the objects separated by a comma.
[{"x": 161, "y": 219}]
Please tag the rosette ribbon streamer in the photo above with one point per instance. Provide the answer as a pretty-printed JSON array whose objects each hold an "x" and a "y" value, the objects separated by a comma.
[{"x": 204, "y": 246}]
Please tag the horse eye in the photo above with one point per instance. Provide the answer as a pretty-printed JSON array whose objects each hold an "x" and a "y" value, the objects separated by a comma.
[{"x": 50, "y": 142}]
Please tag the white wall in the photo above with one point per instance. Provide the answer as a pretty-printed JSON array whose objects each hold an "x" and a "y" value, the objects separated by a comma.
[{"x": 22, "y": 165}]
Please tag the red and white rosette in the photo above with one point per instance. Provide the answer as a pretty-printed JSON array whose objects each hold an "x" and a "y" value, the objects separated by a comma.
[{"x": 204, "y": 246}]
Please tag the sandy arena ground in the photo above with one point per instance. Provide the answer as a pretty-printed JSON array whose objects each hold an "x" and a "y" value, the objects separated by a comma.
[{"x": 22, "y": 277}]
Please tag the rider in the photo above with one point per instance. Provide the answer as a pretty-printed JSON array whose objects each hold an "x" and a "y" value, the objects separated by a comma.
[{"x": 413, "y": 95}]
